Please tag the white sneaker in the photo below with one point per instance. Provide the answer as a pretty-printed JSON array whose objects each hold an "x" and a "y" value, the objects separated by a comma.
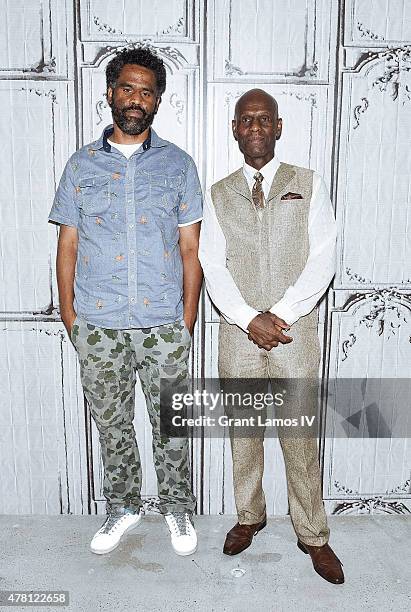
[
  {"x": 110, "y": 533},
  {"x": 183, "y": 534}
]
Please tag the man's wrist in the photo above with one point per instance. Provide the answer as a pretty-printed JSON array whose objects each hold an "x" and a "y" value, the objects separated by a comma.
[
  {"x": 283, "y": 311},
  {"x": 245, "y": 315},
  {"x": 190, "y": 319},
  {"x": 67, "y": 312}
]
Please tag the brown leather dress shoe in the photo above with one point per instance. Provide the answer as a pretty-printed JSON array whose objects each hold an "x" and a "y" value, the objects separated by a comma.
[
  {"x": 240, "y": 537},
  {"x": 325, "y": 562}
]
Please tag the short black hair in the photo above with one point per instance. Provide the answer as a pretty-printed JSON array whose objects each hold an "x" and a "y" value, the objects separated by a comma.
[{"x": 142, "y": 56}]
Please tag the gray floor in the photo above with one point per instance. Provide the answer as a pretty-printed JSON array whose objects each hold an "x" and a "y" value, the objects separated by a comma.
[{"x": 144, "y": 574}]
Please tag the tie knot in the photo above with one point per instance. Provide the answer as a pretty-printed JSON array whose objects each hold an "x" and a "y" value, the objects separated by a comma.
[{"x": 258, "y": 177}]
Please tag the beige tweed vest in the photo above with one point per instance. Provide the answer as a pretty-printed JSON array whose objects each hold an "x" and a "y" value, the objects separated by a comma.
[{"x": 265, "y": 256}]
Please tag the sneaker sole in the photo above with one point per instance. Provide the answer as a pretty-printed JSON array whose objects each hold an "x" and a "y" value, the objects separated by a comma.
[
  {"x": 185, "y": 554},
  {"x": 108, "y": 550}
]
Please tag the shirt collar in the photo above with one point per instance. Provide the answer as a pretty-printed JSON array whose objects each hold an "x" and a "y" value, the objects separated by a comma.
[
  {"x": 152, "y": 140},
  {"x": 268, "y": 171}
]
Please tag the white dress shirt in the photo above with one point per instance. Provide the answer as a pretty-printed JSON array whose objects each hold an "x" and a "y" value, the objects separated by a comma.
[{"x": 299, "y": 299}]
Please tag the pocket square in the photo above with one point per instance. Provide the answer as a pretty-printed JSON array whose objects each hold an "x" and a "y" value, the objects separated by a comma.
[{"x": 292, "y": 196}]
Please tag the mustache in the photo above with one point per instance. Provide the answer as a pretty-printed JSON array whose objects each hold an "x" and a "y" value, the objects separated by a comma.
[{"x": 135, "y": 108}]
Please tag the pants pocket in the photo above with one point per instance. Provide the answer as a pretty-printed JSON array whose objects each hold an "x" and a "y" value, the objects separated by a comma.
[{"x": 186, "y": 331}]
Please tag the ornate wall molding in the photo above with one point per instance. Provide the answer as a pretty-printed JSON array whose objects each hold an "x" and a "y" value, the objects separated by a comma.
[
  {"x": 100, "y": 106},
  {"x": 94, "y": 27},
  {"x": 390, "y": 22},
  {"x": 385, "y": 314},
  {"x": 306, "y": 70},
  {"x": 354, "y": 276},
  {"x": 105, "y": 28},
  {"x": 49, "y": 311},
  {"x": 51, "y": 93},
  {"x": 396, "y": 61},
  {"x": 359, "y": 110},
  {"x": 311, "y": 97},
  {"x": 172, "y": 57},
  {"x": 371, "y": 505},
  {"x": 309, "y": 70},
  {"x": 37, "y": 40},
  {"x": 367, "y": 33},
  {"x": 384, "y": 302},
  {"x": 233, "y": 52},
  {"x": 231, "y": 70},
  {"x": 383, "y": 297},
  {"x": 231, "y": 96},
  {"x": 347, "y": 344},
  {"x": 177, "y": 28},
  {"x": 178, "y": 105},
  {"x": 43, "y": 66}
]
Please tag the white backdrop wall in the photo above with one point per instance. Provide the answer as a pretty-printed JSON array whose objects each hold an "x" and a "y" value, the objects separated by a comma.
[{"x": 341, "y": 72}]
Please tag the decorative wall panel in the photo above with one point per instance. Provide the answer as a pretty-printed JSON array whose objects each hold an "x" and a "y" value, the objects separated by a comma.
[
  {"x": 130, "y": 20},
  {"x": 377, "y": 23},
  {"x": 370, "y": 345},
  {"x": 42, "y": 441},
  {"x": 373, "y": 195},
  {"x": 270, "y": 40},
  {"x": 43, "y": 31},
  {"x": 36, "y": 116}
]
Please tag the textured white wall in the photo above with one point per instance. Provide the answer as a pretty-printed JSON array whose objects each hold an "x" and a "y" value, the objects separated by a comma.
[{"x": 341, "y": 72}]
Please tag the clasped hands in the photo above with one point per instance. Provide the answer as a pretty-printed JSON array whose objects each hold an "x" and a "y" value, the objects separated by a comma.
[{"x": 266, "y": 331}]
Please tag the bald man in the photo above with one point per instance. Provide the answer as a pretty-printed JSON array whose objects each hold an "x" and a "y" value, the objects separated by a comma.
[{"x": 267, "y": 248}]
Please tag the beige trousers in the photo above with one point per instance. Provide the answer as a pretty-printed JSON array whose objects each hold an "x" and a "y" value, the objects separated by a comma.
[{"x": 240, "y": 358}]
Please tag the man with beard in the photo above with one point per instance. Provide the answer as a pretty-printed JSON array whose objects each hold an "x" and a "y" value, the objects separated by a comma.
[
  {"x": 267, "y": 249},
  {"x": 129, "y": 207}
]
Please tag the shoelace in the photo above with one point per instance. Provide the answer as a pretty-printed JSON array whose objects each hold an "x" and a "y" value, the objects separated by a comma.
[
  {"x": 112, "y": 522},
  {"x": 181, "y": 522}
]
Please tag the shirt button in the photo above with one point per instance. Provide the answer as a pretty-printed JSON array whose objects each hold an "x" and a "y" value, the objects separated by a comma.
[
  {"x": 131, "y": 251},
  {"x": 132, "y": 300},
  {"x": 131, "y": 225},
  {"x": 129, "y": 201},
  {"x": 132, "y": 276}
]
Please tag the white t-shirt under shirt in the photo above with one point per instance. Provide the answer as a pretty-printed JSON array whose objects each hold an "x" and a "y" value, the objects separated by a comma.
[{"x": 126, "y": 149}]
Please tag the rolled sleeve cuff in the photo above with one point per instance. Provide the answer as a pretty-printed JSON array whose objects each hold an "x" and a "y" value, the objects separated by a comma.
[
  {"x": 61, "y": 220},
  {"x": 282, "y": 310},
  {"x": 244, "y": 315},
  {"x": 190, "y": 222}
]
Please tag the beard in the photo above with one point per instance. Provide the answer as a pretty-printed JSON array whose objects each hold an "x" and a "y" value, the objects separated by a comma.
[{"x": 133, "y": 126}]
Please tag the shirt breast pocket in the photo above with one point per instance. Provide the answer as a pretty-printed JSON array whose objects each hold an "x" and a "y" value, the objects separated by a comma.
[
  {"x": 165, "y": 192},
  {"x": 96, "y": 195}
]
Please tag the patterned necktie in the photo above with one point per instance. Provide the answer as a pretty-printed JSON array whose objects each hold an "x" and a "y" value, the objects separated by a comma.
[{"x": 257, "y": 192}]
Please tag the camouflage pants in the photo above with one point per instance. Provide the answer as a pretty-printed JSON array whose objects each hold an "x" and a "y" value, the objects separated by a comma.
[{"x": 108, "y": 362}]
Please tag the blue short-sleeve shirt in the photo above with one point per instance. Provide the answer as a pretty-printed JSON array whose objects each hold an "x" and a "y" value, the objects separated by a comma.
[{"x": 129, "y": 271}]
